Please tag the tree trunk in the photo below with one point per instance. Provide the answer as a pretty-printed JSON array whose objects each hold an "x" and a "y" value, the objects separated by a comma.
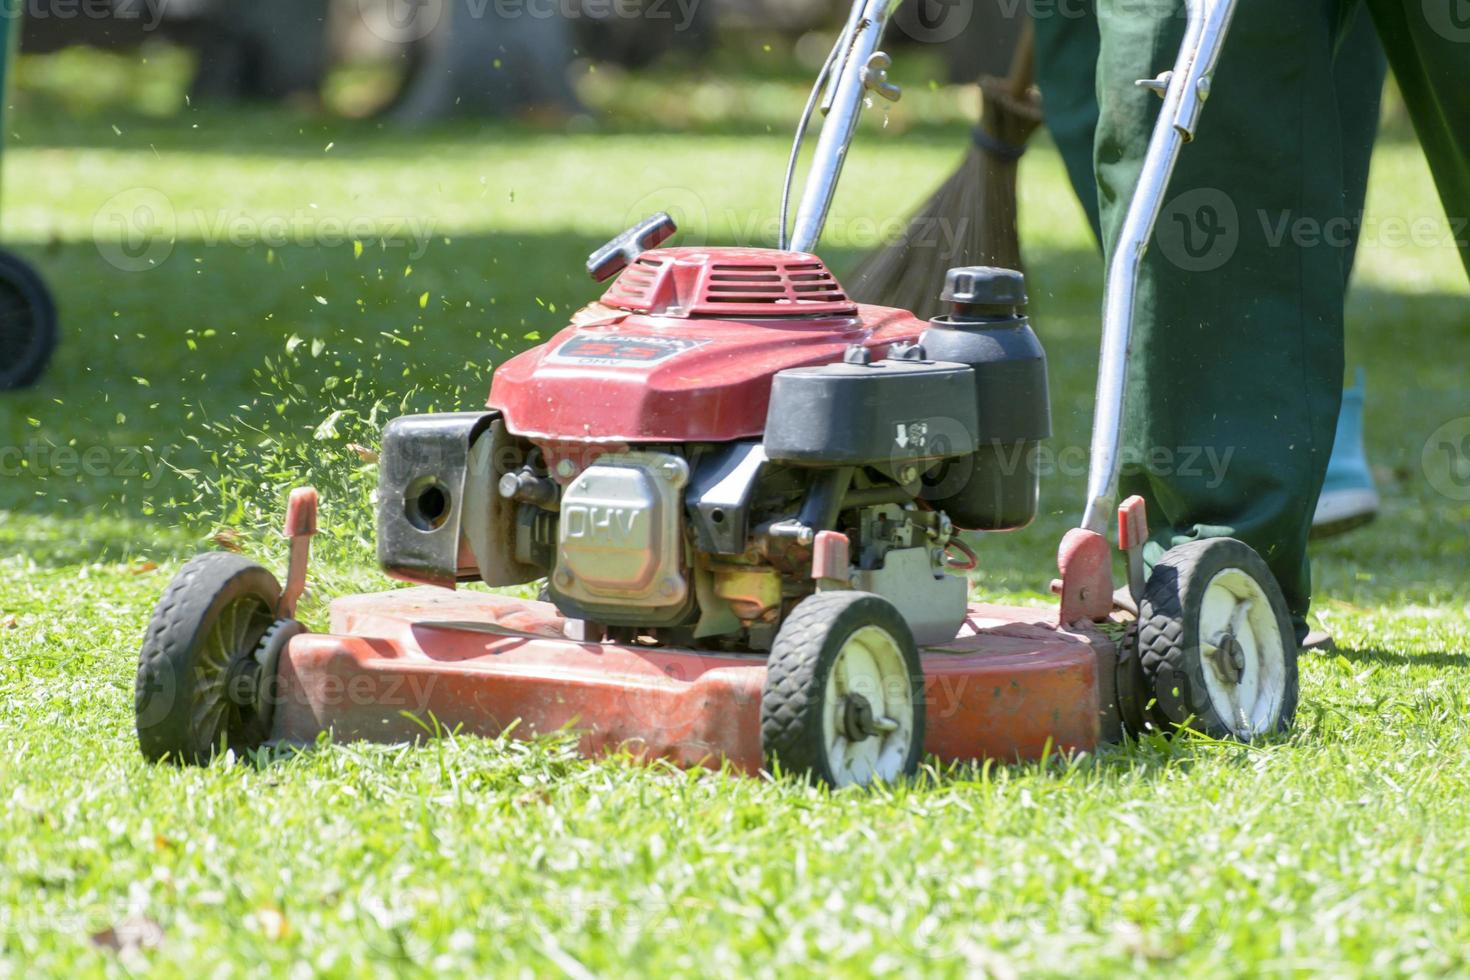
[
  {"x": 262, "y": 50},
  {"x": 484, "y": 58}
]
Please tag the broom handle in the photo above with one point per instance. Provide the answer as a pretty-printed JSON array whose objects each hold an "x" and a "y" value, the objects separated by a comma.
[{"x": 1023, "y": 62}]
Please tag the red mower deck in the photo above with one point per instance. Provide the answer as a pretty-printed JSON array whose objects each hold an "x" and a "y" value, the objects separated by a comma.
[{"x": 1007, "y": 685}]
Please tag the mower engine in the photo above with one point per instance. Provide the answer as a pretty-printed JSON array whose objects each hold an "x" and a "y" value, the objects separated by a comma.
[{"x": 722, "y": 436}]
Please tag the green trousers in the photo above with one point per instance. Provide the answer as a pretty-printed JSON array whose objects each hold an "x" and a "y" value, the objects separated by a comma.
[{"x": 1236, "y": 372}]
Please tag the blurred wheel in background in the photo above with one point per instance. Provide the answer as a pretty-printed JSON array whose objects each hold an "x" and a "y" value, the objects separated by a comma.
[{"x": 28, "y": 325}]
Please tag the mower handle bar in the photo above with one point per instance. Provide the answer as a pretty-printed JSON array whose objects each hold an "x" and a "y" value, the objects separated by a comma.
[
  {"x": 854, "y": 67},
  {"x": 1184, "y": 90}
]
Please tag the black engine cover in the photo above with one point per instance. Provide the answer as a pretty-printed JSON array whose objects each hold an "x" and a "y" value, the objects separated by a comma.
[{"x": 886, "y": 413}]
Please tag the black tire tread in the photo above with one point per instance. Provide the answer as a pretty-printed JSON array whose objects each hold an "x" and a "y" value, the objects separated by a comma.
[
  {"x": 41, "y": 305},
  {"x": 1138, "y": 709},
  {"x": 1169, "y": 662},
  {"x": 791, "y": 703},
  {"x": 167, "y": 656}
]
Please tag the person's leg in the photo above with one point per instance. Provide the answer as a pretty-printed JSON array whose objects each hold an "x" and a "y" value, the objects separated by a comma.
[
  {"x": 1349, "y": 497},
  {"x": 1428, "y": 46},
  {"x": 1359, "y": 68},
  {"x": 1066, "y": 72},
  {"x": 1237, "y": 363},
  {"x": 1067, "y": 46}
]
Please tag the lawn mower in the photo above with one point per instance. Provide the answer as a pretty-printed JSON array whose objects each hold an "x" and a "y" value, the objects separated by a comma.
[{"x": 745, "y": 495}]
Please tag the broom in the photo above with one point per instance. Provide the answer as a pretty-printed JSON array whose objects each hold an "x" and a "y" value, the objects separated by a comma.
[{"x": 971, "y": 219}]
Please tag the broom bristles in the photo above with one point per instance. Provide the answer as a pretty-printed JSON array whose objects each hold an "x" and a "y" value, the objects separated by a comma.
[{"x": 969, "y": 220}]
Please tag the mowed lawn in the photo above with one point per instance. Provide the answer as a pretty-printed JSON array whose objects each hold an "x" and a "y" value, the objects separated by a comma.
[{"x": 247, "y": 296}]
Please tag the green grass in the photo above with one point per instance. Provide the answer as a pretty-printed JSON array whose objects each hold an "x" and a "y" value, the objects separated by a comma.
[{"x": 205, "y": 382}]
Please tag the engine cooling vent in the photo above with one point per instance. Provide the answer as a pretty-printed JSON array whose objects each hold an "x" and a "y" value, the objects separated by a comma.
[{"x": 729, "y": 282}]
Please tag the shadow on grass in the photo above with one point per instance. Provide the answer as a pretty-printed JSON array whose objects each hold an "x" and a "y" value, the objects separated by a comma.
[
  {"x": 204, "y": 381},
  {"x": 1379, "y": 656},
  {"x": 262, "y": 132},
  {"x": 52, "y": 542}
]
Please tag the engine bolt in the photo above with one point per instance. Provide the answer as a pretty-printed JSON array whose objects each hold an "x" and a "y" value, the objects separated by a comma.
[
  {"x": 669, "y": 588},
  {"x": 563, "y": 578},
  {"x": 566, "y": 469}
]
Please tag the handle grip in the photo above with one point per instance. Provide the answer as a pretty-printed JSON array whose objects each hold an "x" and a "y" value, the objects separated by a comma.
[{"x": 624, "y": 250}]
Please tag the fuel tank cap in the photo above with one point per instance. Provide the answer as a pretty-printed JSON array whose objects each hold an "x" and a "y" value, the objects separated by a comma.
[{"x": 981, "y": 290}]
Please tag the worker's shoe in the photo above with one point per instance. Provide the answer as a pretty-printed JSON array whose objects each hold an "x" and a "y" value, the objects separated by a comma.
[
  {"x": 1319, "y": 641},
  {"x": 1349, "y": 499}
]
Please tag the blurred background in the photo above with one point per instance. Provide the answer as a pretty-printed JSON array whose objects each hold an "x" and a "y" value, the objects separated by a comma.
[{"x": 410, "y": 62}]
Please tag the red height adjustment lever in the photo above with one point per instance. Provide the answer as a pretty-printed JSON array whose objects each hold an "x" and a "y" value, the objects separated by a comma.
[
  {"x": 300, "y": 526},
  {"x": 1132, "y": 533}
]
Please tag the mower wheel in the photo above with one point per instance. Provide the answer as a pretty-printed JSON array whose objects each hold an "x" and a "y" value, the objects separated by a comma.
[
  {"x": 201, "y": 683},
  {"x": 1138, "y": 711},
  {"x": 28, "y": 324},
  {"x": 1215, "y": 642},
  {"x": 844, "y": 694}
]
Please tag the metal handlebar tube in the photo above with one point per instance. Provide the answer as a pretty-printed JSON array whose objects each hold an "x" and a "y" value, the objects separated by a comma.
[
  {"x": 848, "y": 75},
  {"x": 1184, "y": 90},
  {"x": 840, "y": 52}
]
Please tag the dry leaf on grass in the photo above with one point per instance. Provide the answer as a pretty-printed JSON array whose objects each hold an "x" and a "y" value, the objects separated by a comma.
[
  {"x": 133, "y": 933},
  {"x": 228, "y": 539},
  {"x": 363, "y": 452}
]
